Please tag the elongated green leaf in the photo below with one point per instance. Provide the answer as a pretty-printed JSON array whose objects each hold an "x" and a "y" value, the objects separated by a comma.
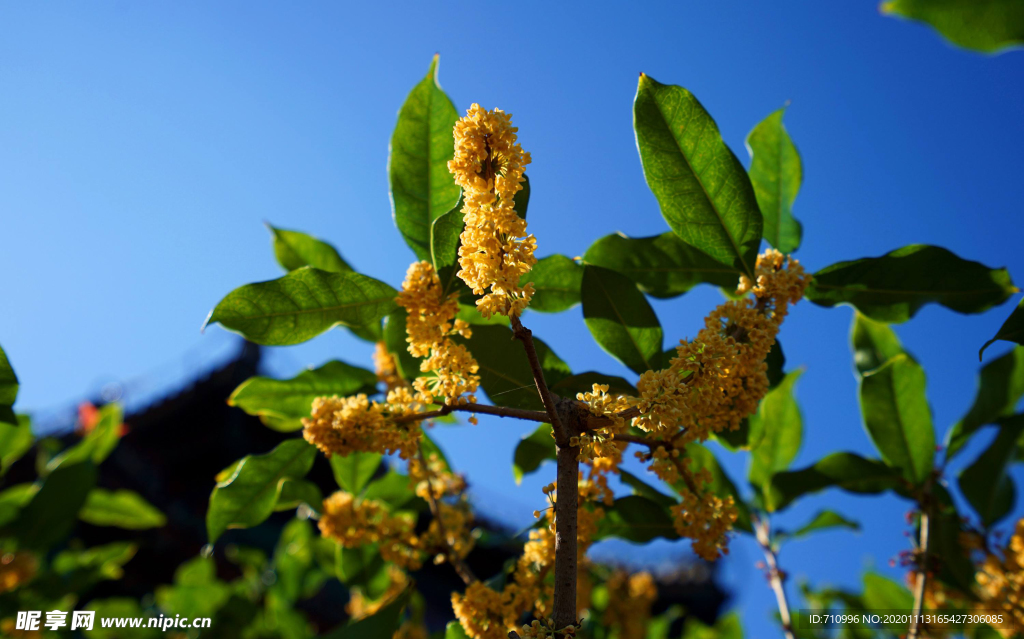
[
  {"x": 893, "y": 287},
  {"x": 847, "y": 471},
  {"x": 296, "y": 492},
  {"x": 355, "y": 470},
  {"x": 897, "y": 416},
  {"x": 294, "y": 249},
  {"x": 196, "y": 591},
  {"x": 823, "y": 520},
  {"x": 1012, "y": 329},
  {"x": 8, "y": 381},
  {"x": 303, "y": 304},
  {"x": 52, "y": 513},
  {"x": 293, "y": 559},
  {"x": 636, "y": 519},
  {"x": 700, "y": 458},
  {"x": 874, "y": 343},
  {"x": 13, "y": 499},
  {"x": 704, "y": 193},
  {"x": 505, "y": 373},
  {"x": 445, "y": 240},
  {"x": 982, "y": 25},
  {"x": 556, "y": 281},
  {"x": 94, "y": 564},
  {"x": 661, "y": 265},
  {"x": 776, "y": 173},
  {"x": 282, "y": 403},
  {"x": 642, "y": 488},
  {"x": 422, "y": 189},
  {"x": 98, "y": 444},
  {"x": 1000, "y": 387},
  {"x": 776, "y": 431},
  {"x": 532, "y": 450},
  {"x": 620, "y": 319},
  {"x": 985, "y": 483},
  {"x": 584, "y": 383},
  {"x": 248, "y": 496},
  {"x": 15, "y": 440},
  {"x": 121, "y": 509}
]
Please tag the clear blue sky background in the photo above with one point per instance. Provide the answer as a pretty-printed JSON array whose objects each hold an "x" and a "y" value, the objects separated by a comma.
[{"x": 142, "y": 145}]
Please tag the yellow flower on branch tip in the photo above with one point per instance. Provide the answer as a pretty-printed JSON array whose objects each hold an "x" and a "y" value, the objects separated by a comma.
[{"x": 495, "y": 251}]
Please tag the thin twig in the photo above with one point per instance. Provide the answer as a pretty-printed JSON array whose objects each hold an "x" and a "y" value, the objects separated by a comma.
[
  {"x": 923, "y": 549},
  {"x": 453, "y": 558},
  {"x": 483, "y": 409},
  {"x": 525, "y": 336},
  {"x": 775, "y": 576}
]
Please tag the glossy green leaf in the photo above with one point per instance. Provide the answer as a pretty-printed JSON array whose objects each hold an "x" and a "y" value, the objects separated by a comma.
[
  {"x": 121, "y": 509},
  {"x": 893, "y": 287},
  {"x": 642, "y": 488},
  {"x": 1000, "y": 387},
  {"x": 282, "y": 403},
  {"x": 51, "y": 514},
  {"x": 897, "y": 416},
  {"x": 823, "y": 520},
  {"x": 662, "y": 266},
  {"x": 380, "y": 625},
  {"x": 703, "y": 190},
  {"x": 701, "y": 458},
  {"x": 636, "y": 519},
  {"x": 355, "y": 470},
  {"x": 445, "y": 239},
  {"x": 8, "y": 381},
  {"x": 584, "y": 383},
  {"x": 303, "y": 304},
  {"x": 776, "y": 174},
  {"x": 985, "y": 483},
  {"x": 98, "y": 443},
  {"x": 294, "y": 250},
  {"x": 1012, "y": 329},
  {"x": 15, "y": 440},
  {"x": 505, "y": 373},
  {"x": 532, "y": 450},
  {"x": 847, "y": 471},
  {"x": 874, "y": 343},
  {"x": 982, "y": 25},
  {"x": 620, "y": 319},
  {"x": 556, "y": 281},
  {"x": 296, "y": 492},
  {"x": 249, "y": 495},
  {"x": 776, "y": 431},
  {"x": 422, "y": 189}
]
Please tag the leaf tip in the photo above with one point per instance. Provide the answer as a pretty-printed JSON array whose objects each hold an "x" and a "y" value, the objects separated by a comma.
[{"x": 206, "y": 322}]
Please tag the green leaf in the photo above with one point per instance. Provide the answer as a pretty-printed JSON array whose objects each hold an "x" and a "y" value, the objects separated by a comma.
[
  {"x": 8, "y": 381},
  {"x": 636, "y": 519},
  {"x": 505, "y": 373},
  {"x": 704, "y": 193},
  {"x": 249, "y": 495},
  {"x": 196, "y": 591},
  {"x": 293, "y": 559},
  {"x": 620, "y": 319},
  {"x": 360, "y": 566},
  {"x": 893, "y": 287},
  {"x": 985, "y": 483},
  {"x": 445, "y": 239},
  {"x": 1012, "y": 329},
  {"x": 556, "y": 281},
  {"x": 776, "y": 431},
  {"x": 98, "y": 444},
  {"x": 642, "y": 488},
  {"x": 726, "y": 627},
  {"x": 422, "y": 189},
  {"x": 532, "y": 450},
  {"x": 381, "y": 625},
  {"x": 281, "y": 404},
  {"x": 454, "y": 630},
  {"x": 303, "y": 304},
  {"x": 52, "y": 513},
  {"x": 982, "y": 25},
  {"x": 104, "y": 562},
  {"x": 393, "y": 489},
  {"x": 120, "y": 508},
  {"x": 701, "y": 458},
  {"x": 874, "y": 343},
  {"x": 823, "y": 520},
  {"x": 776, "y": 361},
  {"x": 294, "y": 250},
  {"x": 15, "y": 440},
  {"x": 1000, "y": 387},
  {"x": 847, "y": 471},
  {"x": 296, "y": 492},
  {"x": 13, "y": 499},
  {"x": 355, "y": 470},
  {"x": 882, "y": 593},
  {"x": 662, "y": 266},
  {"x": 776, "y": 173},
  {"x": 521, "y": 200},
  {"x": 584, "y": 383},
  {"x": 897, "y": 416}
]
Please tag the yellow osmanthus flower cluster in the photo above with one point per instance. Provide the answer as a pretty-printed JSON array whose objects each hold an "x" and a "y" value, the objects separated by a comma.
[
  {"x": 430, "y": 326},
  {"x": 630, "y": 597},
  {"x": 712, "y": 383},
  {"x": 386, "y": 367},
  {"x": 355, "y": 523},
  {"x": 17, "y": 569},
  {"x": 1001, "y": 583},
  {"x": 496, "y": 251},
  {"x": 342, "y": 425}
]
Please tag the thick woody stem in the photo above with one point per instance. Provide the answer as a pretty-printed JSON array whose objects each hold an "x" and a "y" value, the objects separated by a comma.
[
  {"x": 776, "y": 577},
  {"x": 922, "y": 578},
  {"x": 460, "y": 566}
]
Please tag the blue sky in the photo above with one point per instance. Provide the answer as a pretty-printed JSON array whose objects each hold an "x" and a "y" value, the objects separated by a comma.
[{"x": 143, "y": 144}]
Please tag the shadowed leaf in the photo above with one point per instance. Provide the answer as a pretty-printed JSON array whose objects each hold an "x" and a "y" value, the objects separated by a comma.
[
  {"x": 620, "y": 319},
  {"x": 776, "y": 173},
  {"x": 982, "y": 25},
  {"x": 1012, "y": 329}
]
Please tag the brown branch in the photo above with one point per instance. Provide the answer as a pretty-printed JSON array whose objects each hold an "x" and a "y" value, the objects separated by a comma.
[
  {"x": 525, "y": 336},
  {"x": 457, "y": 562},
  {"x": 483, "y": 409},
  {"x": 923, "y": 549},
  {"x": 776, "y": 577},
  {"x": 633, "y": 439}
]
